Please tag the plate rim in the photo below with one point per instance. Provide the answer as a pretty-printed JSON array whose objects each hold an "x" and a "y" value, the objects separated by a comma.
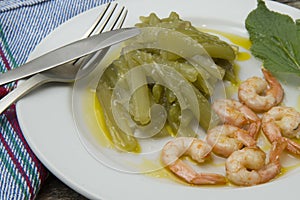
[{"x": 78, "y": 186}]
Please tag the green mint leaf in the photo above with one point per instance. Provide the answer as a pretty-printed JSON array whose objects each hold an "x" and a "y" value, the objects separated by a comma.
[{"x": 275, "y": 39}]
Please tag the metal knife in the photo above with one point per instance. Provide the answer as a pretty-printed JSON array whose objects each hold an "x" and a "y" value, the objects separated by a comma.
[{"x": 68, "y": 53}]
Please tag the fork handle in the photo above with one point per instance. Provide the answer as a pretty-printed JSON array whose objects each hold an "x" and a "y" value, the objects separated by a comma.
[{"x": 21, "y": 90}]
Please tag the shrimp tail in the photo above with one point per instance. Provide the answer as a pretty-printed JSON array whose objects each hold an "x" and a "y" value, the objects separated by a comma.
[
  {"x": 273, "y": 168},
  {"x": 273, "y": 134},
  {"x": 254, "y": 129},
  {"x": 208, "y": 179},
  {"x": 271, "y": 131},
  {"x": 268, "y": 172},
  {"x": 245, "y": 138},
  {"x": 278, "y": 146},
  {"x": 277, "y": 90},
  {"x": 182, "y": 170},
  {"x": 292, "y": 146}
]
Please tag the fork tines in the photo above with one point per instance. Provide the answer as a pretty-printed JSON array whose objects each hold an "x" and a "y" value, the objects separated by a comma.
[{"x": 112, "y": 17}]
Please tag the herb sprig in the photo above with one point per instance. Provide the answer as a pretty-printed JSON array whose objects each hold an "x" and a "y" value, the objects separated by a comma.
[{"x": 275, "y": 39}]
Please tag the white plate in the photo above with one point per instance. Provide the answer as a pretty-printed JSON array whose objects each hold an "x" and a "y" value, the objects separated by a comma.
[{"x": 46, "y": 119}]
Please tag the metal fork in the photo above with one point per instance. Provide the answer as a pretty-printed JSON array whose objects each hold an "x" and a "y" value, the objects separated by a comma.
[{"x": 109, "y": 19}]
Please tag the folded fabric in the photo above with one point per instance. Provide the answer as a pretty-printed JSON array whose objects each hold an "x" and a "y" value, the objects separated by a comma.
[
  {"x": 12, "y": 4},
  {"x": 23, "y": 24}
]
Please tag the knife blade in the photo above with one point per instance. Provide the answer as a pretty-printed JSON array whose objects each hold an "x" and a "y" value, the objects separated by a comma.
[{"x": 68, "y": 53}]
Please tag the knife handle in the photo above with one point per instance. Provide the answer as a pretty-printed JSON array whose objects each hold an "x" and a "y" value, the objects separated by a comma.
[{"x": 22, "y": 89}]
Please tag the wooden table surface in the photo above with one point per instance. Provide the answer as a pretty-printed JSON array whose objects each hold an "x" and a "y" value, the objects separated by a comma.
[{"x": 54, "y": 189}]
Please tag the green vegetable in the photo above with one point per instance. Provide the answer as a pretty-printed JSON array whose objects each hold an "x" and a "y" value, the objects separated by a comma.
[
  {"x": 140, "y": 102},
  {"x": 157, "y": 93},
  {"x": 208, "y": 118},
  {"x": 213, "y": 45},
  {"x": 230, "y": 73},
  {"x": 168, "y": 68},
  {"x": 275, "y": 39},
  {"x": 121, "y": 140}
]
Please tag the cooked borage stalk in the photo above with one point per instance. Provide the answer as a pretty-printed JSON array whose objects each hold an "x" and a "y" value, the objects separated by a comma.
[{"x": 176, "y": 70}]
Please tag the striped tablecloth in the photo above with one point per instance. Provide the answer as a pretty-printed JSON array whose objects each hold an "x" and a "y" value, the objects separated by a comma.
[{"x": 23, "y": 24}]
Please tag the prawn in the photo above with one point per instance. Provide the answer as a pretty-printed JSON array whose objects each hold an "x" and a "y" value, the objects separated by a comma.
[
  {"x": 225, "y": 139},
  {"x": 235, "y": 113},
  {"x": 247, "y": 167},
  {"x": 198, "y": 150},
  {"x": 282, "y": 122},
  {"x": 260, "y": 95}
]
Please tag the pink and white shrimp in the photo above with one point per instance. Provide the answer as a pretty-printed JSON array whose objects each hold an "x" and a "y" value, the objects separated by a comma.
[
  {"x": 283, "y": 122},
  {"x": 225, "y": 139},
  {"x": 260, "y": 95},
  {"x": 248, "y": 166},
  {"x": 235, "y": 113},
  {"x": 199, "y": 151}
]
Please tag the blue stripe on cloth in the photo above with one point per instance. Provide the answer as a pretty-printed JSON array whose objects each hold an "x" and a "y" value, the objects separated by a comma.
[
  {"x": 22, "y": 28},
  {"x": 10, "y": 190},
  {"x": 34, "y": 24},
  {"x": 16, "y": 165},
  {"x": 18, "y": 148},
  {"x": 7, "y": 5}
]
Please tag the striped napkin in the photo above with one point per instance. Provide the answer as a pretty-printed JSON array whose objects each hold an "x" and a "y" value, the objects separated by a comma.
[{"x": 23, "y": 24}]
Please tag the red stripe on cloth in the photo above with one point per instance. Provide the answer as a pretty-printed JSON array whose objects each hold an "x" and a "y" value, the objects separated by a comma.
[
  {"x": 3, "y": 92},
  {"x": 5, "y": 61},
  {"x": 17, "y": 164},
  {"x": 12, "y": 118}
]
